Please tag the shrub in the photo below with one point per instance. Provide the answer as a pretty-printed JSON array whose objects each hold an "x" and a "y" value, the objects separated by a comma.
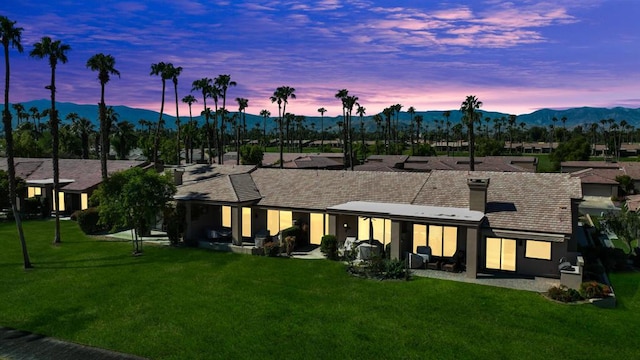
[
  {"x": 379, "y": 268},
  {"x": 289, "y": 243},
  {"x": 564, "y": 294},
  {"x": 271, "y": 249},
  {"x": 329, "y": 246},
  {"x": 594, "y": 289},
  {"x": 33, "y": 207},
  {"x": 88, "y": 221},
  {"x": 174, "y": 218}
]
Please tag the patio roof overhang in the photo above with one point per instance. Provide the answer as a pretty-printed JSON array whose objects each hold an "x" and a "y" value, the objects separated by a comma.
[
  {"x": 49, "y": 181},
  {"x": 408, "y": 211}
]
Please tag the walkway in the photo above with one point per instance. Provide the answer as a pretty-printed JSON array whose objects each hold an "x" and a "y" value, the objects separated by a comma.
[
  {"x": 536, "y": 284},
  {"x": 22, "y": 345}
]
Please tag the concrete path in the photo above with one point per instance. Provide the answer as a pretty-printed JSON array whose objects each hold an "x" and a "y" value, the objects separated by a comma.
[
  {"x": 536, "y": 284},
  {"x": 22, "y": 345}
]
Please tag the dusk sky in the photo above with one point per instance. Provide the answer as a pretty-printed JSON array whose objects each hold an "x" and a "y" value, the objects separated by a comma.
[{"x": 515, "y": 56}]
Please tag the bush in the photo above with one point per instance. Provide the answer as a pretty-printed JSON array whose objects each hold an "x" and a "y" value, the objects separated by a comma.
[
  {"x": 564, "y": 294},
  {"x": 329, "y": 246},
  {"x": 594, "y": 289},
  {"x": 379, "y": 268},
  {"x": 33, "y": 207},
  {"x": 271, "y": 249},
  {"x": 88, "y": 221}
]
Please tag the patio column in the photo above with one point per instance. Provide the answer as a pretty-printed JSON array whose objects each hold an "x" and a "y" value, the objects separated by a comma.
[
  {"x": 333, "y": 225},
  {"x": 396, "y": 240},
  {"x": 472, "y": 252},
  {"x": 236, "y": 225},
  {"x": 188, "y": 231}
]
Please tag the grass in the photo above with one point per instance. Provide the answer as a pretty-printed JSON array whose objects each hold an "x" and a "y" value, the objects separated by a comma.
[{"x": 178, "y": 303}]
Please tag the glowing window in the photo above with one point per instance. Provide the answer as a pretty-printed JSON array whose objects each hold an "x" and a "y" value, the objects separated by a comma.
[
  {"x": 419, "y": 236},
  {"x": 246, "y": 222},
  {"x": 226, "y": 216},
  {"x": 286, "y": 219},
  {"x": 538, "y": 250},
  {"x": 435, "y": 240},
  {"x": 501, "y": 254},
  {"x": 316, "y": 228},
  {"x": 84, "y": 201},
  {"x": 273, "y": 221}
]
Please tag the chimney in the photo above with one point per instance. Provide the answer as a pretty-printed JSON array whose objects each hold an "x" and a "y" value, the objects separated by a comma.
[
  {"x": 177, "y": 176},
  {"x": 478, "y": 194}
]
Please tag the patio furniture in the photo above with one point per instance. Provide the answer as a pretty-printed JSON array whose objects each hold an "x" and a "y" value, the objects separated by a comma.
[
  {"x": 415, "y": 261},
  {"x": 434, "y": 264}
]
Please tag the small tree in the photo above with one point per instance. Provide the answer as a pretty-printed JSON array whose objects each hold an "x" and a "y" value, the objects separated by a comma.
[
  {"x": 251, "y": 155},
  {"x": 576, "y": 149},
  {"x": 133, "y": 198},
  {"x": 5, "y": 200},
  {"x": 625, "y": 224},
  {"x": 626, "y": 184}
]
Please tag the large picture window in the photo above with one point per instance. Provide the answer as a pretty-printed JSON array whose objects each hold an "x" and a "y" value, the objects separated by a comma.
[
  {"x": 443, "y": 240},
  {"x": 226, "y": 216},
  {"x": 538, "y": 250},
  {"x": 378, "y": 227},
  {"x": 501, "y": 254}
]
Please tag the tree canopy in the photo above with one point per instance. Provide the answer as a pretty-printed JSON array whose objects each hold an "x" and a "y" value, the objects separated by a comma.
[
  {"x": 576, "y": 149},
  {"x": 132, "y": 199}
]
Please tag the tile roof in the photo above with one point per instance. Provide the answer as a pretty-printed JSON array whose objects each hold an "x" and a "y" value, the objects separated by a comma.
[
  {"x": 319, "y": 189},
  {"x": 518, "y": 201},
  {"x": 598, "y": 176},
  {"x": 220, "y": 183},
  {"x": 85, "y": 173}
]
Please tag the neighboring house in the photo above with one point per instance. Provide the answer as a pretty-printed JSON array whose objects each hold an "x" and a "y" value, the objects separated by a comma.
[
  {"x": 78, "y": 179},
  {"x": 514, "y": 223},
  {"x": 430, "y": 163},
  {"x": 604, "y": 169}
]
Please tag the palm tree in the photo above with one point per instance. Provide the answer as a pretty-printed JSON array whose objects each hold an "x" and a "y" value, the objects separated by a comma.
[
  {"x": 412, "y": 111},
  {"x": 205, "y": 85},
  {"x": 419, "y": 119},
  {"x": 322, "y": 111},
  {"x": 188, "y": 140},
  {"x": 11, "y": 35},
  {"x": 55, "y": 51},
  {"x": 223, "y": 82},
  {"x": 19, "y": 108},
  {"x": 396, "y": 110},
  {"x": 242, "y": 106},
  {"x": 35, "y": 115},
  {"x": 387, "y": 135},
  {"x": 173, "y": 73},
  {"x": 163, "y": 71},
  {"x": 349, "y": 103},
  {"x": 265, "y": 115},
  {"x": 342, "y": 95},
  {"x": 105, "y": 66},
  {"x": 446, "y": 115},
  {"x": 299, "y": 119},
  {"x": 377, "y": 119},
  {"x": 361, "y": 111},
  {"x": 82, "y": 127},
  {"x": 124, "y": 138},
  {"x": 512, "y": 123},
  {"x": 523, "y": 125},
  {"x": 469, "y": 109},
  {"x": 282, "y": 96}
]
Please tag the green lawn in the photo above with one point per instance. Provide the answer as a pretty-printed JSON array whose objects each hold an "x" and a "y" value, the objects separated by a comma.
[{"x": 194, "y": 304}]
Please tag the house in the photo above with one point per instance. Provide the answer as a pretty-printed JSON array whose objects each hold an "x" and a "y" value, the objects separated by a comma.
[
  {"x": 78, "y": 179},
  {"x": 429, "y": 163},
  {"x": 502, "y": 222}
]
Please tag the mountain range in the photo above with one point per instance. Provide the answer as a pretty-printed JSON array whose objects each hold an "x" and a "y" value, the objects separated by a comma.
[{"x": 543, "y": 117}]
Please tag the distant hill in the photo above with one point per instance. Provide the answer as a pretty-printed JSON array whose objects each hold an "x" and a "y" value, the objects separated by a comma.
[{"x": 575, "y": 116}]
